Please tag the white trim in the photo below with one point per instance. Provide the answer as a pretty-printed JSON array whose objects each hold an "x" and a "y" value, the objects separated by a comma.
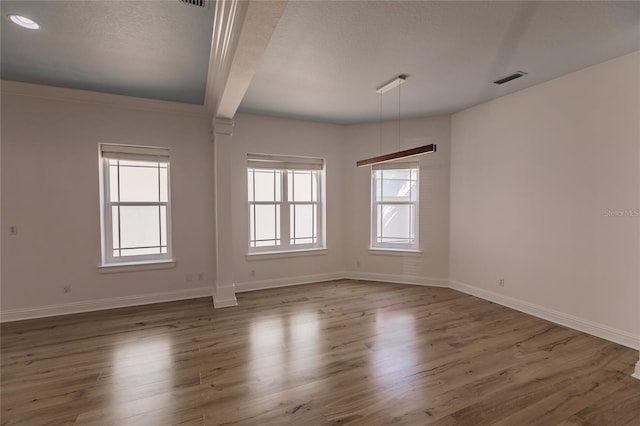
[
  {"x": 114, "y": 268},
  {"x": 224, "y": 296},
  {"x": 288, "y": 281},
  {"x": 107, "y": 205},
  {"x": 222, "y": 126},
  {"x": 97, "y": 98},
  {"x": 224, "y": 303},
  {"x": 399, "y": 279},
  {"x": 98, "y": 305},
  {"x": 269, "y": 255},
  {"x": 373, "y": 231},
  {"x": 636, "y": 373},
  {"x": 286, "y": 220},
  {"x": 586, "y": 326}
]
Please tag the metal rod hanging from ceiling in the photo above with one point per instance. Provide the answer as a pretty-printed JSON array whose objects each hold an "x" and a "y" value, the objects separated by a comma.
[{"x": 396, "y": 82}]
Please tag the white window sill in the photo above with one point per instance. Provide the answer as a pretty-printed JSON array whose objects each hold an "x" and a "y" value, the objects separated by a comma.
[
  {"x": 114, "y": 268},
  {"x": 395, "y": 252},
  {"x": 268, "y": 255}
]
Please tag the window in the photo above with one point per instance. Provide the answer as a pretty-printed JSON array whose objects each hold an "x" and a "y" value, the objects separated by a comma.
[
  {"x": 394, "y": 206},
  {"x": 285, "y": 203},
  {"x": 136, "y": 208}
]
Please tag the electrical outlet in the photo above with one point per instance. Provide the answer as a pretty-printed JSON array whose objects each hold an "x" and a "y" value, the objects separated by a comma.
[
  {"x": 67, "y": 288},
  {"x": 13, "y": 230},
  {"x": 253, "y": 273},
  {"x": 189, "y": 278},
  {"x": 501, "y": 282},
  {"x": 201, "y": 276},
  {"x": 357, "y": 263}
]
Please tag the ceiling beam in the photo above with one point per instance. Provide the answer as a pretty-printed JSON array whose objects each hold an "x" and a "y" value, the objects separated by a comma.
[{"x": 242, "y": 30}]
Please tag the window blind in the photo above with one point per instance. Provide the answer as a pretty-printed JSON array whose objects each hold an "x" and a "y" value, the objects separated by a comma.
[
  {"x": 283, "y": 162},
  {"x": 134, "y": 153}
]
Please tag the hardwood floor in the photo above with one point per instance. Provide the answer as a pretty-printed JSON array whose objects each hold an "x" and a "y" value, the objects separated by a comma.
[{"x": 341, "y": 353}]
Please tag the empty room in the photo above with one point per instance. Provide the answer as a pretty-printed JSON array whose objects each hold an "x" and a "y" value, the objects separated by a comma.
[{"x": 254, "y": 212}]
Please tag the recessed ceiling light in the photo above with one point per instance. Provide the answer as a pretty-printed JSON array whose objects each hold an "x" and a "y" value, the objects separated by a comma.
[{"x": 24, "y": 22}]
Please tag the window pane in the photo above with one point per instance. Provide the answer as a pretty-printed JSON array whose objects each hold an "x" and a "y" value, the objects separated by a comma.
[
  {"x": 314, "y": 186},
  {"x": 142, "y": 251},
  {"x": 303, "y": 223},
  {"x": 139, "y": 183},
  {"x": 402, "y": 174},
  {"x": 250, "y": 184},
  {"x": 268, "y": 184},
  {"x": 115, "y": 227},
  {"x": 164, "y": 184},
  {"x": 396, "y": 190},
  {"x": 267, "y": 243},
  {"x": 267, "y": 223},
  {"x": 301, "y": 182},
  {"x": 139, "y": 226},
  {"x": 252, "y": 236},
  {"x": 395, "y": 223},
  {"x": 113, "y": 182},
  {"x": 163, "y": 226},
  {"x": 304, "y": 241},
  {"x": 136, "y": 163},
  {"x": 414, "y": 184}
]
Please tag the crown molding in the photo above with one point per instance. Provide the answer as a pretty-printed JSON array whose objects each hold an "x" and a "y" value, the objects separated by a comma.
[{"x": 39, "y": 91}]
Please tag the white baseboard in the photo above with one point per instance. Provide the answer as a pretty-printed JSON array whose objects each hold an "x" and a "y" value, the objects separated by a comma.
[
  {"x": 399, "y": 279},
  {"x": 614, "y": 335},
  {"x": 97, "y": 305},
  {"x": 618, "y": 336},
  {"x": 636, "y": 373},
  {"x": 288, "y": 281}
]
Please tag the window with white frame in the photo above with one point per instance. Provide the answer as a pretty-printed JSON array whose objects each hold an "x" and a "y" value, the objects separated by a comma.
[
  {"x": 136, "y": 206},
  {"x": 286, "y": 210},
  {"x": 394, "y": 206}
]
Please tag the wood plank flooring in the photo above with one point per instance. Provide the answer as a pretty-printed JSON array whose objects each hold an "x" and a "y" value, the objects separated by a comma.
[{"x": 338, "y": 353}]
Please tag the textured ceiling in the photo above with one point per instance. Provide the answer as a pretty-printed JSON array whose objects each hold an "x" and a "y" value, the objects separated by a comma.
[
  {"x": 150, "y": 49},
  {"x": 326, "y": 58}
]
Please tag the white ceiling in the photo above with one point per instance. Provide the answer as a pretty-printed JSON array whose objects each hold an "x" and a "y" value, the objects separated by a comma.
[
  {"x": 150, "y": 49},
  {"x": 326, "y": 58}
]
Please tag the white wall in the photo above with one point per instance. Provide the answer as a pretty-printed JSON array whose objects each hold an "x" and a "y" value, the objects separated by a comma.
[
  {"x": 50, "y": 191},
  {"x": 363, "y": 141},
  {"x": 269, "y": 135},
  {"x": 535, "y": 179},
  {"x": 531, "y": 183}
]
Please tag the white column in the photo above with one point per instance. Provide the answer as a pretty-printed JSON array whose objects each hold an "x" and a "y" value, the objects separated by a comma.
[
  {"x": 225, "y": 292},
  {"x": 636, "y": 373}
]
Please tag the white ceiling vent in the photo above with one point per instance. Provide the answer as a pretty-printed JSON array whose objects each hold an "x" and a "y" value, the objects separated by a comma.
[{"x": 199, "y": 3}]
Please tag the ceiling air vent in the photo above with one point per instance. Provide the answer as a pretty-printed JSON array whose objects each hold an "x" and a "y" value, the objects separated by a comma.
[
  {"x": 199, "y": 3},
  {"x": 510, "y": 77}
]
